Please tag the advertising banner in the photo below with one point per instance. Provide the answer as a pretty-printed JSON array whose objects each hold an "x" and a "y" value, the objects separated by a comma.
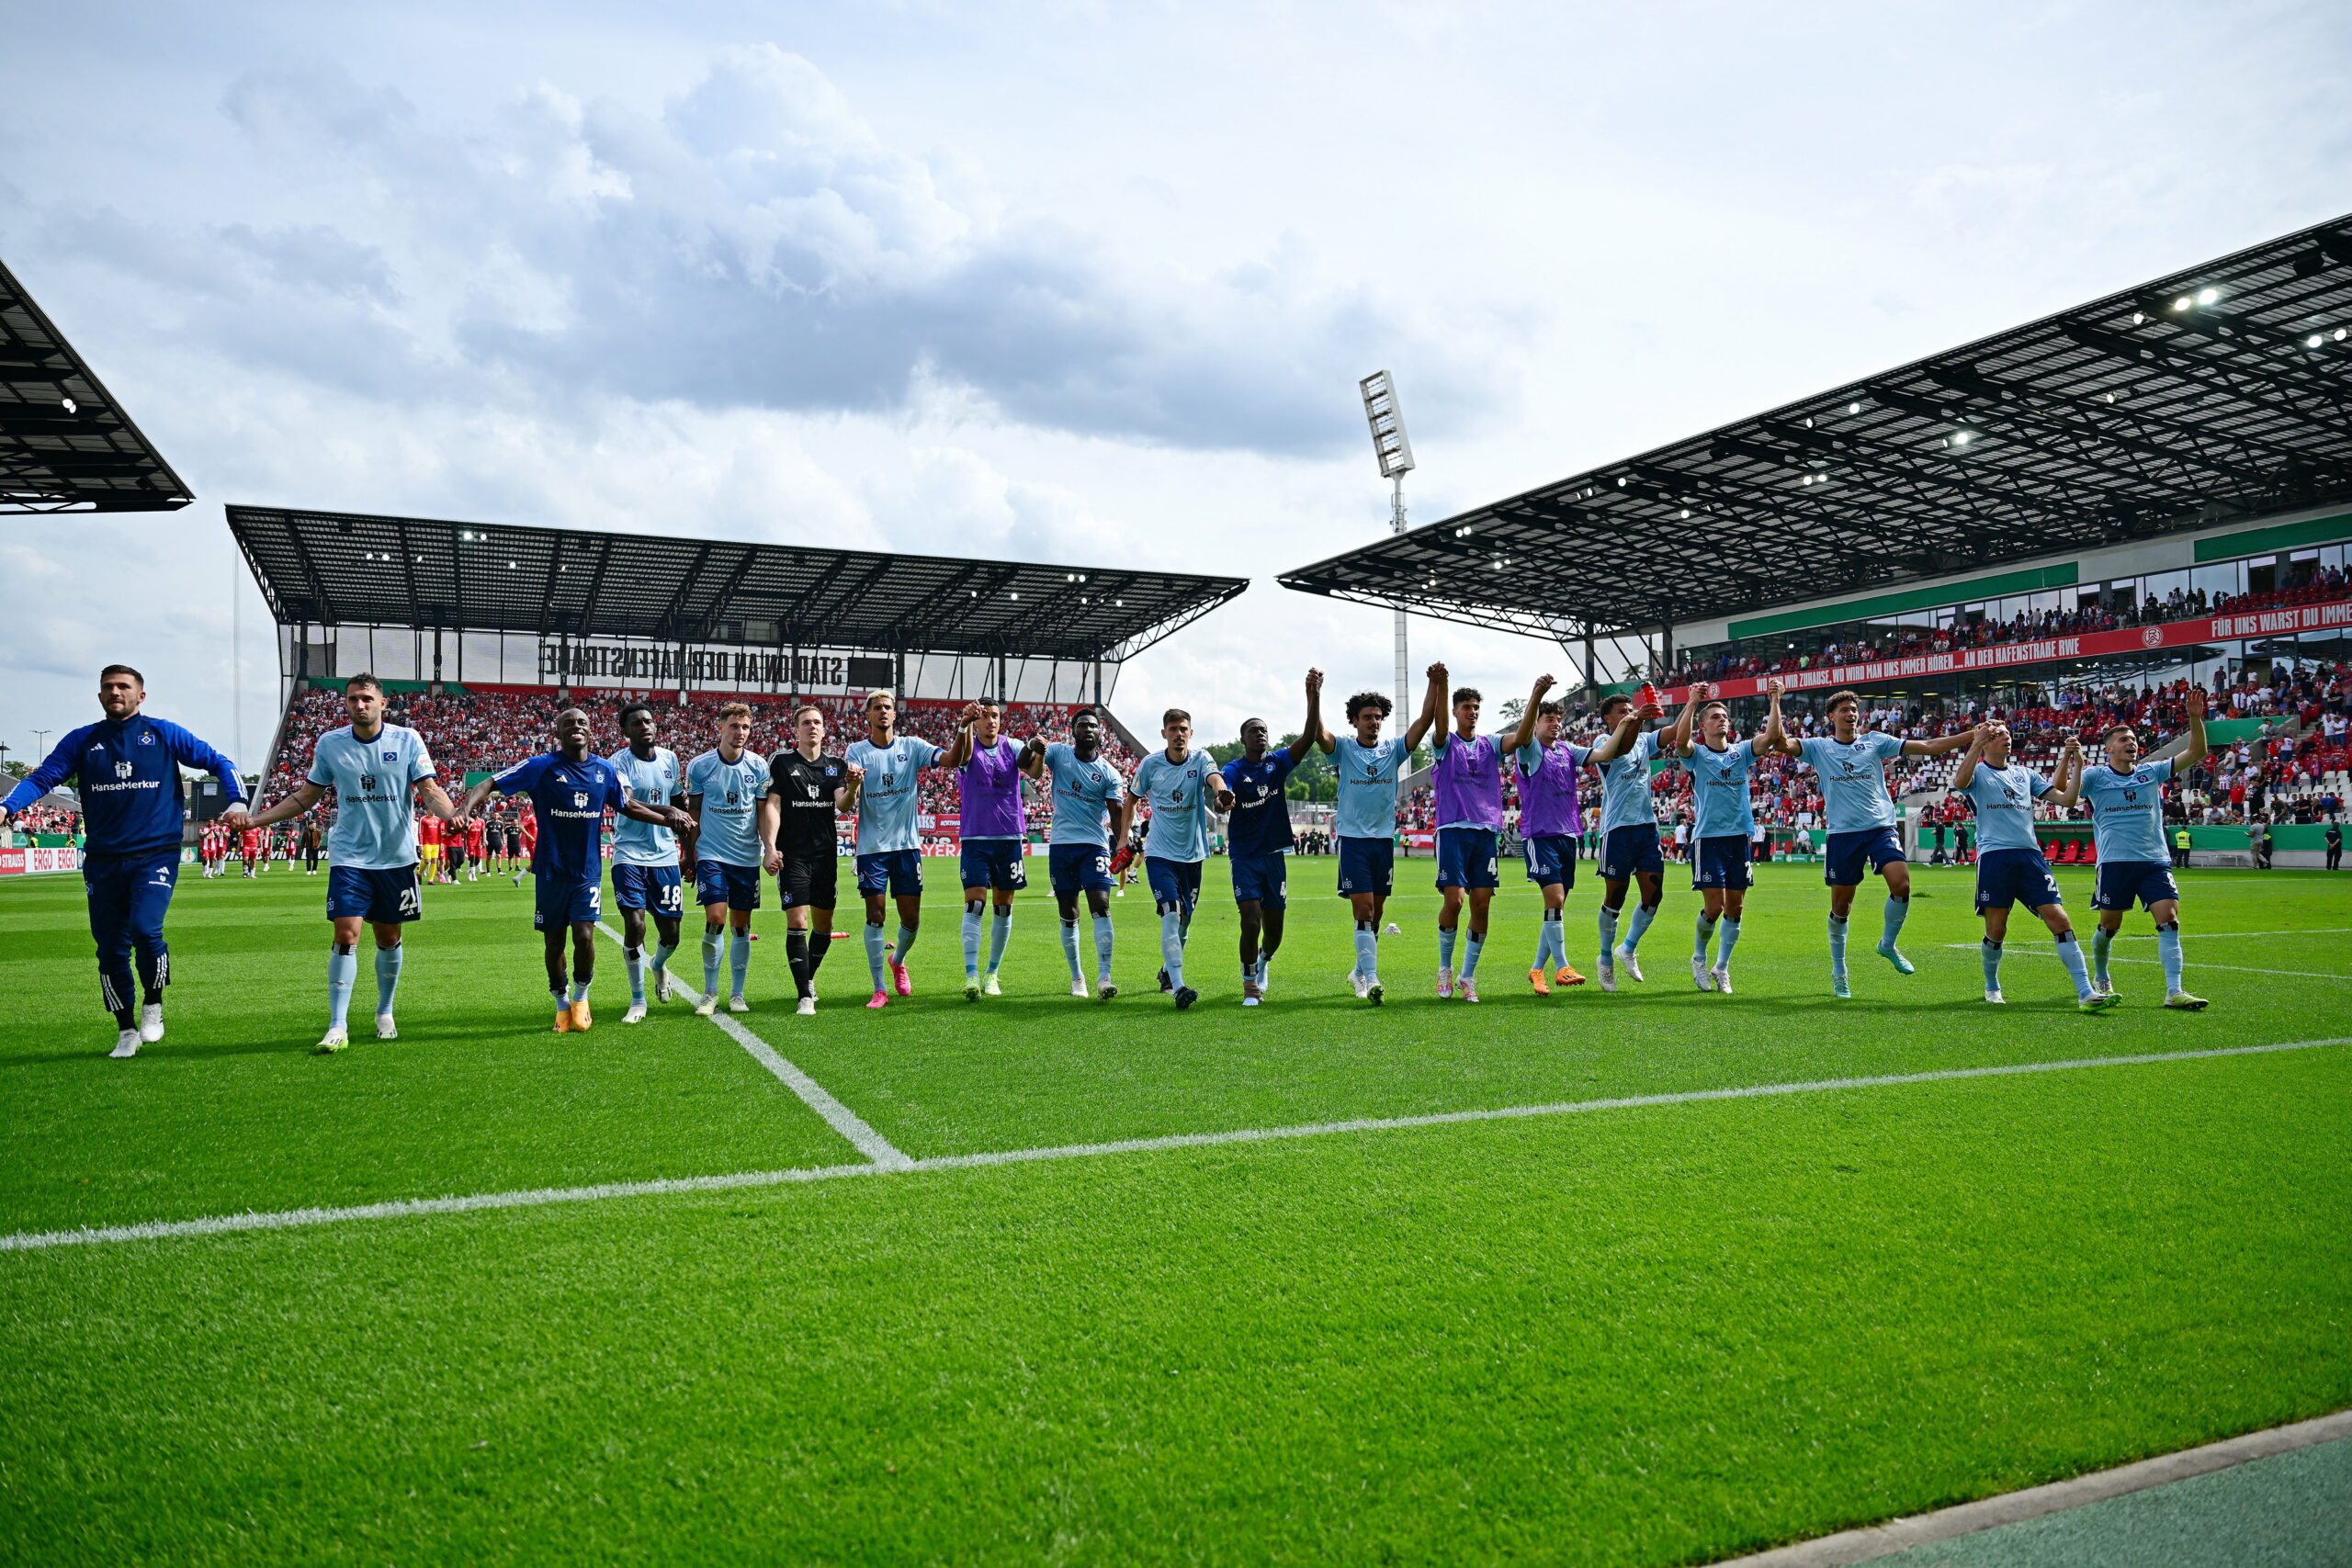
[
  {"x": 33, "y": 861},
  {"x": 2049, "y": 650}
]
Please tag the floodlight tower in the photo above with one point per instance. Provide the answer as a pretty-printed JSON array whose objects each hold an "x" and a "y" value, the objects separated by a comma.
[{"x": 1395, "y": 454}]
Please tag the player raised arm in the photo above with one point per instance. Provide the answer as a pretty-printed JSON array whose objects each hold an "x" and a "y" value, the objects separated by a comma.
[
  {"x": 1678, "y": 735},
  {"x": 1313, "y": 734},
  {"x": 52, "y": 772},
  {"x": 1526, "y": 730},
  {"x": 436, "y": 800},
  {"x": 1975, "y": 740},
  {"x": 474, "y": 797},
  {"x": 1432, "y": 709},
  {"x": 959, "y": 751},
  {"x": 2198, "y": 750},
  {"x": 1325, "y": 742},
  {"x": 1937, "y": 747},
  {"x": 1033, "y": 756},
  {"x": 188, "y": 749},
  {"x": 1776, "y": 735},
  {"x": 2068, "y": 786},
  {"x": 306, "y": 794},
  {"x": 1620, "y": 740}
]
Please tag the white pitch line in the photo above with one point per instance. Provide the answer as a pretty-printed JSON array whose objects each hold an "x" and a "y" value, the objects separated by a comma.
[
  {"x": 2216, "y": 936},
  {"x": 2038, "y": 950},
  {"x": 839, "y": 1117},
  {"x": 286, "y": 1219}
]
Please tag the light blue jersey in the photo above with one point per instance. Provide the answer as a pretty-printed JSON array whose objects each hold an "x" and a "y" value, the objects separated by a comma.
[
  {"x": 1719, "y": 789},
  {"x": 1625, "y": 797},
  {"x": 1083, "y": 791},
  {"x": 374, "y": 780},
  {"x": 1368, "y": 786},
  {"x": 651, "y": 782},
  {"x": 1853, "y": 778},
  {"x": 2127, "y": 811},
  {"x": 2004, "y": 799},
  {"x": 730, "y": 796},
  {"x": 1178, "y": 794},
  {"x": 887, "y": 802}
]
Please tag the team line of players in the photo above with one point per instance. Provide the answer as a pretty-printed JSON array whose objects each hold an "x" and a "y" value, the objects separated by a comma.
[{"x": 732, "y": 815}]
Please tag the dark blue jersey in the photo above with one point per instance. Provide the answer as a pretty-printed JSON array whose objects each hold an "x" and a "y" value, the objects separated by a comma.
[
  {"x": 572, "y": 798},
  {"x": 1259, "y": 822},
  {"x": 129, "y": 776}
]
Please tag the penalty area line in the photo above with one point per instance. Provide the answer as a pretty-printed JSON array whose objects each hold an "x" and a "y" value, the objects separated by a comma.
[
  {"x": 839, "y": 1117},
  {"x": 286, "y": 1219}
]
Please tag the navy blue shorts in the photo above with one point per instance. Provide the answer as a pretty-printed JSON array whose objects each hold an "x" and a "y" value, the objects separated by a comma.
[
  {"x": 892, "y": 871},
  {"x": 1721, "y": 861},
  {"x": 1077, "y": 868},
  {"x": 720, "y": 881},
  {"x": 1262, "y": 880},
  {"x": 558, "y": 902},
  {"x": 2014, "y": 876},
  {"x": 2122, "y": 881},
  {"x": 1849, "y": 857},
  {"x": 1467, "y": 857},
  {"x": 1173, "y": 881},
  {"x": 380, "y": 898},
  {"x": 656, "y": 887},
  {"x": 1551, "y": 857},
  {"x": 1367, "y": 865},
  {"x": 1627, "y": 850},
  {"x": 994, "y": 862}
]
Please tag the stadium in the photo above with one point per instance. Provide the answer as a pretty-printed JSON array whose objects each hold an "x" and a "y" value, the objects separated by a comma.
[{"x": 1261, "y": 1256}]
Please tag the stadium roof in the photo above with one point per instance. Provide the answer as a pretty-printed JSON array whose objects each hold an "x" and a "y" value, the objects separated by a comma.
[
  {"x": 65, "y": 444},
  {"x": 333, "y": 568},
  {"x": 2213, "y": 393}
]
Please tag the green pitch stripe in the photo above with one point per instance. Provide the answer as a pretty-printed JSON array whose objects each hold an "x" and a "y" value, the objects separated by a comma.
[{"x": 286, "y": 1219}]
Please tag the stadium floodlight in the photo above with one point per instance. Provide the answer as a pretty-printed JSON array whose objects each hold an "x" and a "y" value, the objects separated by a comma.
[{"x": 1395, "y": 450}]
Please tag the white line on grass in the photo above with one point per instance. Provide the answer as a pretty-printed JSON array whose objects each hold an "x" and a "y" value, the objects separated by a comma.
[
  {"x": 2216, "y": 936},
  {"x": 286, "y": 1219},
  {"x": 2045, "y": 950},
  {"x": 839, "y": 1117}
]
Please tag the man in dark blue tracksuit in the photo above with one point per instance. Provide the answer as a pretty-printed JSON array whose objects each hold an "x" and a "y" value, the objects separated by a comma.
[{"x": 128, "y": 767}]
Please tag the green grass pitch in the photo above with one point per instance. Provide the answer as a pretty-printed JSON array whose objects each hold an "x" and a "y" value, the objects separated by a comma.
[{"x": 1649, "y": 1333}]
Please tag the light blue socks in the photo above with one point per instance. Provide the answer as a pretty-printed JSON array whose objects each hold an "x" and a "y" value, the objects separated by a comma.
[
  {"x": 2070, "y": 953},
  {"x": 343, "y": 968},
  {"x": 388, "y": 976}
]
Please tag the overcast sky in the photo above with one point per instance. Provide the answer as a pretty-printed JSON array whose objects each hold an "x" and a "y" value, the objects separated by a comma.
[{"x": 1077, "y": 283}]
